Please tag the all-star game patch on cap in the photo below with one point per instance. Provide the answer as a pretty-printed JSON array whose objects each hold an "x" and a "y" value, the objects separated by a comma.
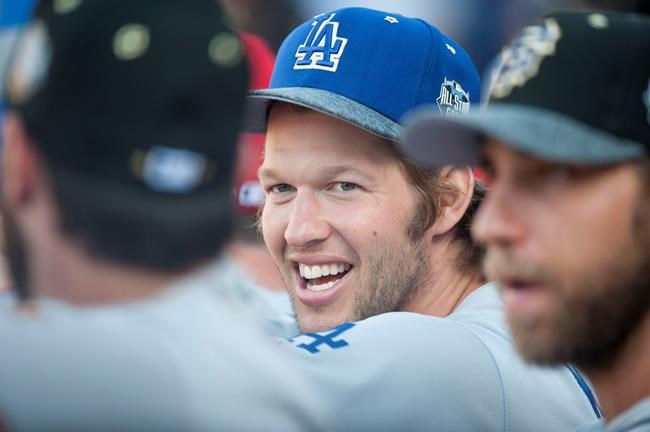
[
  {"x": 369, "y": 68},
  {"x": 573, "y": 88},
  {"x": 138, "y": 100}
]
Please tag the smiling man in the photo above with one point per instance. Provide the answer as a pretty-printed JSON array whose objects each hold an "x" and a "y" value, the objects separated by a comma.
[
  {"x": 346, "y": 220},
  {"x": 362, "y": 234},
  {"x": 567, "y": 220},
  {"x": 342, "y": 221}
]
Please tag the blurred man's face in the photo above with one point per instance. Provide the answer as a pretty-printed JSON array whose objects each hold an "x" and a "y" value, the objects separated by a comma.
[
  {"x": 13, "y": 259},
  {"x": 336, "y": 216},
  {"x": 570, "y": 248}
]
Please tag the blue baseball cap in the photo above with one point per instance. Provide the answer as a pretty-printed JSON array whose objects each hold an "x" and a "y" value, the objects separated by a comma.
[{"x": 369, "y": 68}]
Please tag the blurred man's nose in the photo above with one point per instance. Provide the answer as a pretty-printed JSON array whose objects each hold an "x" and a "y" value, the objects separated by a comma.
[{"x": 497, "y": 222}]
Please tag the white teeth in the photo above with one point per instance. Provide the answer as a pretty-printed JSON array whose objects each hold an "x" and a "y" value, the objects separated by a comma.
[
  {"x": 323, "y": 287},
  {"x": 313, "y": 272},
  {"x": 305, "y": 271}
]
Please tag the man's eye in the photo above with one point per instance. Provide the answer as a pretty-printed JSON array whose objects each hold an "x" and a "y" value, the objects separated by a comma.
[
  {"x": 560, "y": 172},
  {"x": 281, "y": 188},
  {"x": 485, "y": 171},
  {"x": 486, "y": 175},
  {"x": 345, "y": 186}
]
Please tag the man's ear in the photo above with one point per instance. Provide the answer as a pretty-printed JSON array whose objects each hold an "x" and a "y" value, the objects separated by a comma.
[
  {"x": 459, "y": 185},
  {"x": 19, "y": 163}
]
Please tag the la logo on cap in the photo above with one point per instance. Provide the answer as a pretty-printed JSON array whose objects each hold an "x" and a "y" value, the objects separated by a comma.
[{"x": 323, "y": 48}]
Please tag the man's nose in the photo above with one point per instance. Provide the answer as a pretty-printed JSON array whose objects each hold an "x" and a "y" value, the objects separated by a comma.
[{"x": 307, "y": 221}]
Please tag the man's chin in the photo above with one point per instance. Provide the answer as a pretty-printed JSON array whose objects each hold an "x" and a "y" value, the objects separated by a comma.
[
  {"x": 551, "y": 341},
  {"x": 535, "y": 345},
  {"x": 315, "y": 322}
]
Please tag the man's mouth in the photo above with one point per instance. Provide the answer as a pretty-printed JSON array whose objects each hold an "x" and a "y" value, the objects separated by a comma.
[
  {"x": 523, "y": 296},
  {"x": 324, "y": 276},
  {"x": 517, "y": 284}
]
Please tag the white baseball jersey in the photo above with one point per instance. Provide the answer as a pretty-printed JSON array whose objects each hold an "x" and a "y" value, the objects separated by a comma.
[
  {"x": 183, "y": 361},
  {"x": 412, "y": 372},
  {"x": 272, "y": 309},
  {"x": 636, "y": 419}
]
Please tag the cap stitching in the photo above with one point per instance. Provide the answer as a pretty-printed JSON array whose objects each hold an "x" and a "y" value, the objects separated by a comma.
[{"x": 429, "y": 65}]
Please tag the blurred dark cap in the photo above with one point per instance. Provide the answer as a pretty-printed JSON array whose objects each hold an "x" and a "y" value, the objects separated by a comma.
[
  {"x": 573, "y": 87},
  {"x": 145, "y": 96}
]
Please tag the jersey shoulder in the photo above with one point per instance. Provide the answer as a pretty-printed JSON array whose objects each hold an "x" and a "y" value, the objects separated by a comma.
[
  {"x": 403, "y": 371},
  {"x": 148, "y": 366}
]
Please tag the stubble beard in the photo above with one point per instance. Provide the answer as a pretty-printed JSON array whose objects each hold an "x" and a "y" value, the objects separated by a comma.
[
  {"x": 592, "y": 318},
  {"x": 393, "y": 277}
]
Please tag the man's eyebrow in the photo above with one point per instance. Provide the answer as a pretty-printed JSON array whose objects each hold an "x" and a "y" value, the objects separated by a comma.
[
  {"x": 333, "y": 171},
  {"x": 328, "y": 171},
  {"x": 485, "y": 160},
  {"x": 267, "y": 172}
]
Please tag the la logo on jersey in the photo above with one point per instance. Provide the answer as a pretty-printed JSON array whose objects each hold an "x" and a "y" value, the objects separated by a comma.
[
  {"x": 323, "y": 47},
  {"x": 453, "y": 99}
]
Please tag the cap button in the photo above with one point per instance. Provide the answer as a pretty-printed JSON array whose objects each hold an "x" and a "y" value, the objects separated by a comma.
[
  {"x": 225, "y": 50},
  {"x": 131, "y": 41},
  {"x": 62, "y": 7},
  {"x": 598, "y": 21}
]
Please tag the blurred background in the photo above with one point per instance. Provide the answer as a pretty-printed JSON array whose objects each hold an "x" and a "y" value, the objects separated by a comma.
[{"x": 480, "y": 26}]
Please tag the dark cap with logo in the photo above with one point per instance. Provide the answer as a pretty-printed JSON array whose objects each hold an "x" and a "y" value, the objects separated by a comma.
[
  {"x": 142, "y": 98},
  {"x": 574, "y": 88}
]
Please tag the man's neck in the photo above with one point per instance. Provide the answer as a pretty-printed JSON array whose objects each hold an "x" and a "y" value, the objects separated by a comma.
[
  {"x": 257, "y": 263},
  {"x": 447, "y": 287},
  {"x": 627, "y": 381},
  {"x": 76, "y": 278}
]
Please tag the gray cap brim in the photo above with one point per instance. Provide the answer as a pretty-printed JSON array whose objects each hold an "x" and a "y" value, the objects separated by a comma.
[
  {"x": 323, "y": 101},
  {"x": 436, "y": 140}
]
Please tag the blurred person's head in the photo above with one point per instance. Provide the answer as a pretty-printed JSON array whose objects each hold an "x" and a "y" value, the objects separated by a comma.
[
  {"x": 13, "y": 16},
  {"x": 247, "y": 248},
  {"x": 638, "y": 6},
  {"x": 248, "y": 194},
  {"x": 355, "y": 229},
  {"x": 114, "y": 152},
  {"x": 271, "y": 20},
  {"x": 566, "y": 222}
]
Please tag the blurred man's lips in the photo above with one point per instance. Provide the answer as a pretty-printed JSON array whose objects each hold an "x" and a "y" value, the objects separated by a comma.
[{"x": 522, "y": 296}]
